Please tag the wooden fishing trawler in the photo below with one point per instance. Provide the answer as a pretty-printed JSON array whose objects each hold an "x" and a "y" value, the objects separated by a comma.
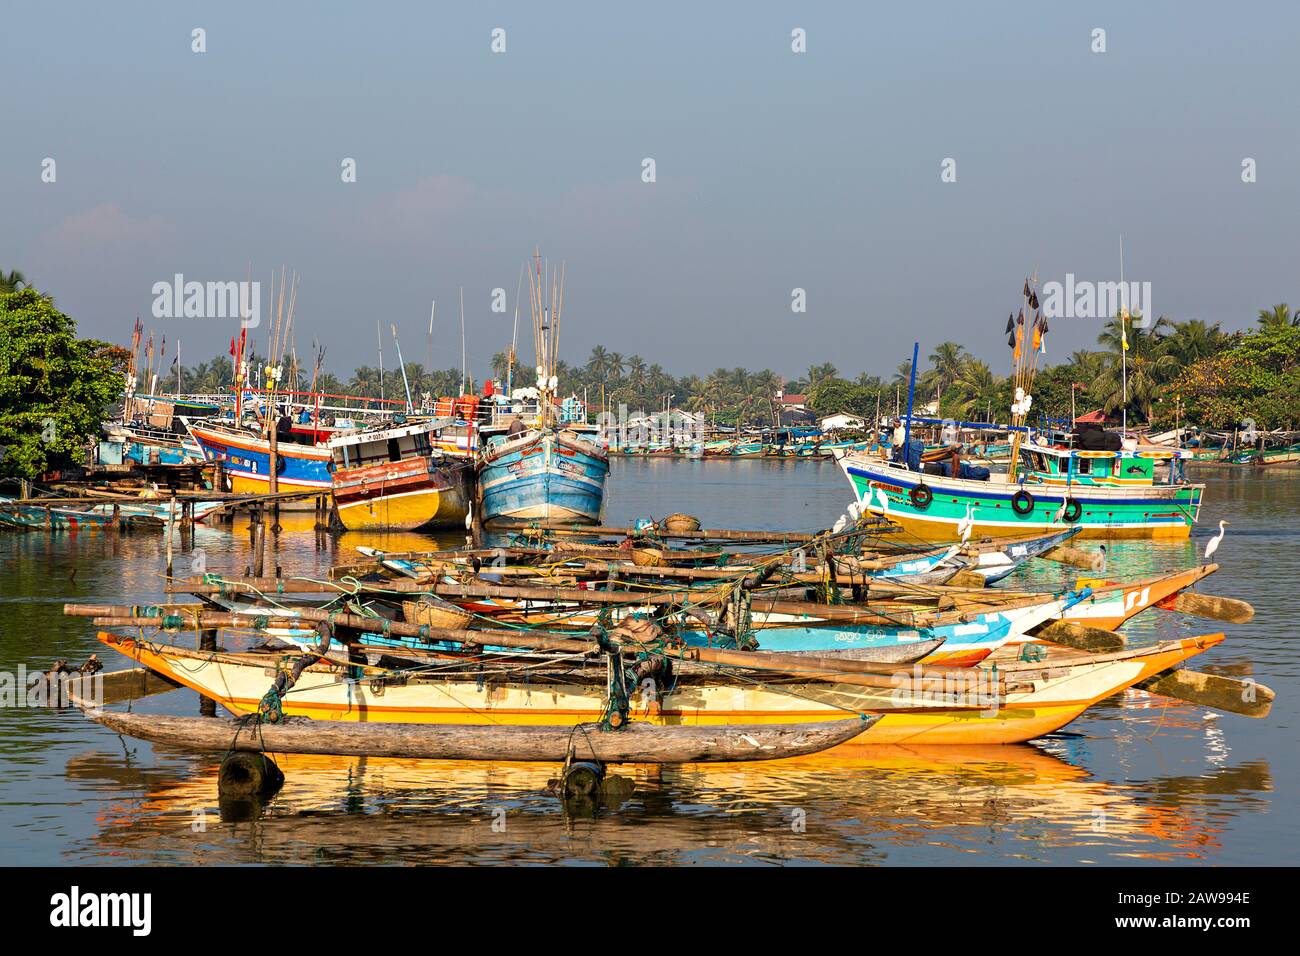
[
  {"x": 551, "y": 466},
  {"x": 1108, "y": 487},
  {"x": 393, "y": 479}
]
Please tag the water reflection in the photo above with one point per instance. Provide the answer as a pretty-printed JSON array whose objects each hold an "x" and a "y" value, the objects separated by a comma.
[{"x": 868, "y": 805}]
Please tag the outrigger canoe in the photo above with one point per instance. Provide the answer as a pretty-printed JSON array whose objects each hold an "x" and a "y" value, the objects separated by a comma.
[{"x": 1020, "y": 700}]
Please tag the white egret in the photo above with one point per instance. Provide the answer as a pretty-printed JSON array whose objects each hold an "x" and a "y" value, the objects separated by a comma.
[
  {"x": 966, "y": 524},
  {"x": 839, "y": 524},
  {"x": 883, "y": 499},
  {"x": 1213, "y": 544}
]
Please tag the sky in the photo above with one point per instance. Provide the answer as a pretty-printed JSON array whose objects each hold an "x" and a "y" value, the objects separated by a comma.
[{"x": 774, "y": 170}]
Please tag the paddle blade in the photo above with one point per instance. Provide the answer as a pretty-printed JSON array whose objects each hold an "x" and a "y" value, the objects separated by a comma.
[
  {"x": 1077, "y": 557},
  {"x": 1231, "y": 694},
  {"x": 1232, "y": 610},
  {"x": 967, "y": 579},
  {"x": 1081, "y": 636}
]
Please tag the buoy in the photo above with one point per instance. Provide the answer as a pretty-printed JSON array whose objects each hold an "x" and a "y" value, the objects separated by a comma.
[
  {"x": 244, "y": 775},
  {"x": 581, "y": 780}
]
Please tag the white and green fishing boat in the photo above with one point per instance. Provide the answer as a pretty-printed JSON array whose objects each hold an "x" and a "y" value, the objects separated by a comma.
[
  {"x": 1105, "y": 484},
  {"x": 1114, "y": 494}
]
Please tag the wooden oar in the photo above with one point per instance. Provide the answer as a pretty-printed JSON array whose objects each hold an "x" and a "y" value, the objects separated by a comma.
[
  {"x": 1232, "y": 694},
  {"x": 1232, "y": 610},
  {"x": 1063, "y": 554},
  {"x": 1080, "y": 636}
]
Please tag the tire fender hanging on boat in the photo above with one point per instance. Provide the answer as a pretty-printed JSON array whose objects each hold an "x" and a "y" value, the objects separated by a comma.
[
  {"x": 1072, "y": 510},
  {"x": 1022, "y": 503},
  {"x": 921, "y": 496}
]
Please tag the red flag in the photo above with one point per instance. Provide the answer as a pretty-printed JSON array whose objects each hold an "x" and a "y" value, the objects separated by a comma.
[{"x": 232, "y": 346}]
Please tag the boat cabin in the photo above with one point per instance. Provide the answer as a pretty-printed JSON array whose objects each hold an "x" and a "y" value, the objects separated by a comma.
[
  {"x": 363, "y": 448},
  {"x": 1052, "y": 464}
]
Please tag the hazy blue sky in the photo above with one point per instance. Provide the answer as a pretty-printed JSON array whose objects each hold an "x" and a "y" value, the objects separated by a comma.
[{"x": 775, "y": 170}]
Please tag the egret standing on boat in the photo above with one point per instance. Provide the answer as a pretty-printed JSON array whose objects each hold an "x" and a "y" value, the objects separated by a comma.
[
  {"x": 1213, "y": 544},
  {"x": 966, "y": 524}
]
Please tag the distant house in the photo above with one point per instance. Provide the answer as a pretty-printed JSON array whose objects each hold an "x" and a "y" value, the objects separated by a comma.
[
  {"x": 842, "y": 421},
  {"x": 793, "y": 410}
]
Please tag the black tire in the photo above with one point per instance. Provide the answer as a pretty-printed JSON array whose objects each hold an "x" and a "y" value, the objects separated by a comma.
[
  {"x": 1022, "y": 503},
  {"x": 921, "y": 496},
  {"x": 244, "y": 775},
  {"x": 582, "y": 780},
  {"x": 1073, "y": 511}
]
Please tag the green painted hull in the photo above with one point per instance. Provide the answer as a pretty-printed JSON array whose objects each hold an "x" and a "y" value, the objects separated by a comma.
[{"x": 1159, "y": 511}]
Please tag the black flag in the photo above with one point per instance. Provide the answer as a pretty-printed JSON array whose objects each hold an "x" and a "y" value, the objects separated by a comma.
[
  {"x": 1026, "y": 288},
  {"x": 1011, "y": 322},
  {"x": 1033, "y": 300},
  {"x": 1011, "y": 340},
  {"x": 1020, "y": 319}
]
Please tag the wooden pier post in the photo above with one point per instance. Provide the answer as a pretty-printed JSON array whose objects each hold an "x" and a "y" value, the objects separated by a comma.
[
  {"x": 259, "y": 541},
  {"x": 171, "y": 527}
]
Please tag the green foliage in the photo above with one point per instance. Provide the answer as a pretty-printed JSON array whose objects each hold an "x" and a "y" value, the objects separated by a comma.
[
  {"x": 54, "y": 387},
  {"x": 1257, "y": 376},
  {"x": 832, "y": 395}
]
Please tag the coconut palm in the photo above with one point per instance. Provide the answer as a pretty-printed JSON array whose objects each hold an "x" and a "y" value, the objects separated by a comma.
[
  {"x": 12, "y": 281},
  {"x": 1193, "y": 340},
  {"x": 1279, "y": 317},
  {"x": 1150, "y": 367},
  {"x": 819, "y": 373}
]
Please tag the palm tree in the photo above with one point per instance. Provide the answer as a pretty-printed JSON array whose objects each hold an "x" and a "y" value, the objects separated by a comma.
[
  {"x": 976, "y": 384},
  {"x": 1193, "y": 340},
  {"x": 500, "y": 365},
  {"x": 947, "y": 358},
  {"x": 1150, "y": 367},
  {"x": 1279, "y": 317},
  {"x": 819, "y": 373},
  {"x": 614, "y": 366},
  {"x": 12, "y": 281}
]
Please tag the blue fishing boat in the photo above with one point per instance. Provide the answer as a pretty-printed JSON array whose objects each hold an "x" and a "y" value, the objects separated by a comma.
[
  {"x": 543, "y": 474},
  {"x": 246, "y": 458},
  {"x": 543, "y": 463}
]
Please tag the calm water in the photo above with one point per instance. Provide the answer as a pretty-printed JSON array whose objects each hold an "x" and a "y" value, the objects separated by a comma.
[{"x": 1138, "y": 780}]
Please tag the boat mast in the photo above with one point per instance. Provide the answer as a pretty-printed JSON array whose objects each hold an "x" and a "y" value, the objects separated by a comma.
[
  {"x": 402, "y": 365},
  {"x": 462, "y": 340},
  {"x": 379, "y": 338},
  {"x": 1123, "y": 337},
  {"x": 911, "y": 391}
]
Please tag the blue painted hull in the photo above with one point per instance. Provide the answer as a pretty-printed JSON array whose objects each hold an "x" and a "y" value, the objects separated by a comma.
[
  {"x": 964, "y": 643},
  {"x": 543, "y": 476}
]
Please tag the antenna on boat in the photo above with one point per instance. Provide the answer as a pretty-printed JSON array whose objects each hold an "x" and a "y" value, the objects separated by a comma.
[
  {"x": 514, "y": 335},
  {"x": 462, "y": 340},
  {"x": 402, "y": 365},
  {"x": 432, "y": 311},
  {"x": 911, "y": 393},
  {"x": 379, "y": 338},
  {"x": 1123, "y": 338}
]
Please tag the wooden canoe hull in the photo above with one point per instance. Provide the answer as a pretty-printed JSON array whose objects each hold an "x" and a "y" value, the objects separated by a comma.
[
  {"x": 1059, "y": 694},
  {"x": 635, "y": 743}
]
